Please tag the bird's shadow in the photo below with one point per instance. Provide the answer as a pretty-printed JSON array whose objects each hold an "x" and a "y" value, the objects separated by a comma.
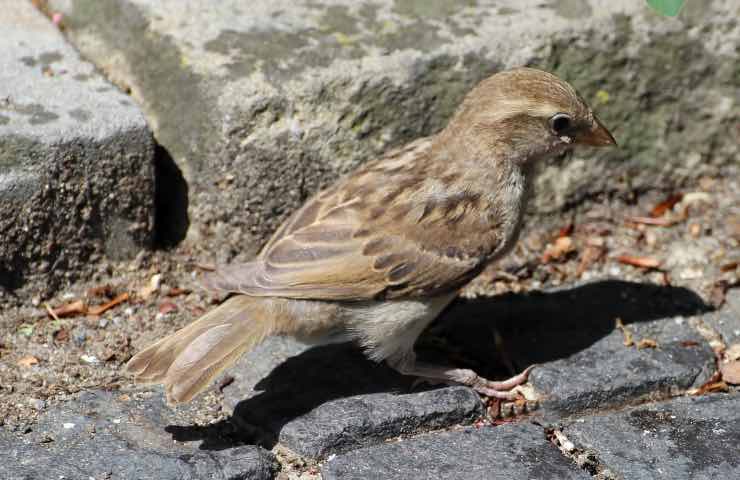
[{"x": 492, "y": 335}]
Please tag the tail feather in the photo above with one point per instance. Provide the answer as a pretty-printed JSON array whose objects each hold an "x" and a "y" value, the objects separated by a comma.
[{"x": 188, "y": 360}]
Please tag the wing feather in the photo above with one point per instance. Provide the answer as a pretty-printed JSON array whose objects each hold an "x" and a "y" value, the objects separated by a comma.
[{"x": 367, "y": 237}]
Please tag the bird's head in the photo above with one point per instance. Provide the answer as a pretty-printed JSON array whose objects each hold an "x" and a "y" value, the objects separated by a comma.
[{"x": 526, "y": 114}]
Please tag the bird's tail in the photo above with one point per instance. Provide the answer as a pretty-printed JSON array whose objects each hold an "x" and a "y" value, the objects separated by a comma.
[{"x": 189, "y": 359}]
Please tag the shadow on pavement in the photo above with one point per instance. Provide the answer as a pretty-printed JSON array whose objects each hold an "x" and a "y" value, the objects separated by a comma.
[{"x": 536, "y": 327}]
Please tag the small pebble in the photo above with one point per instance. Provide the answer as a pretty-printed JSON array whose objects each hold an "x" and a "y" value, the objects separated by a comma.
[
  {"x": 37, "y": 403},
  {"x": 89, "y": 359}
]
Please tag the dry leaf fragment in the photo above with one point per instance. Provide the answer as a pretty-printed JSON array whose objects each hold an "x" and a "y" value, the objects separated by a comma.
[
  {"x": 731, "y": 372},
  {"x": 591, "y": 254},
  {"x": 714, "y": 384},
  {"x": 647, "y": 343},
  {"x": 558, "y": 250},
  {"x": 77, "y": 307},
  {"x": 689, "y": 343},
  {"x": 167, "y": 307},
  {"x": 659, "y": 209},
  {"x": 567, "y": 230},
  {"x": 728, "y": 267},
  {"x": 61, "y": 335},
  {"x": 100, "y": 309},
  {"x": 175, "y": 292},
  {"x": 628, "y": 341},
  {"x": 709, "y": 387},
  {"x": 642, "y": 262},
  {"x": 51, "y": 312},
  {"x": 28, "y": 361}
]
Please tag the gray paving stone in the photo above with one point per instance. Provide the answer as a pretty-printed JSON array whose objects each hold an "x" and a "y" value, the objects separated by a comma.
[
  {"x": 100, "y": 435},
  {"x": 262, "y": 105},
  {"x": 504, "y": 452},
  {"x": 570, "y": 333},
  {"x": 331, "y": 399},
  {"x": 609, "y": 374},
  {"x": 693, "y": 438},
  {"x": 726, "y": 320},
  {"x": 76, "y": 158},
  {"x": 353, "y": 422}
]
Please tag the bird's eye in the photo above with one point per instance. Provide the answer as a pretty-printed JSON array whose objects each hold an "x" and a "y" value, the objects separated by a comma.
[{"x": 560, "y": 123}]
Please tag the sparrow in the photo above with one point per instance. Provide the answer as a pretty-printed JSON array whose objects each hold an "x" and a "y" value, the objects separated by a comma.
[{"x": 377, "y": 256}]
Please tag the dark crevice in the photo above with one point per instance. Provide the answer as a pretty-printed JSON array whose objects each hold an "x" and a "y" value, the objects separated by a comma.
[
  {"x": 171, "y": 199},
  {"x": 586, "y": 459},
  {"x": 11, "y": 278}
]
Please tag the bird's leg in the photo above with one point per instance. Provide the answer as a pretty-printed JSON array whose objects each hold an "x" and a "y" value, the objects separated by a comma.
[{"x": 407, "y": 365}]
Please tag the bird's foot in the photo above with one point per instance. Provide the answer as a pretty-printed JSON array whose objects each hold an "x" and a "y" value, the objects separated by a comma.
[{"x": 502, "y": 390}]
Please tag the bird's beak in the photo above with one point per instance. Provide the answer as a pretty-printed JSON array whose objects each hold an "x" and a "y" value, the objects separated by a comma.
[{"x": 597, "y": 136}]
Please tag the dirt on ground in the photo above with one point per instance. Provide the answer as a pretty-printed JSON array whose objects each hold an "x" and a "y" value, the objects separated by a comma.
[{"x": 51, "y": 348}]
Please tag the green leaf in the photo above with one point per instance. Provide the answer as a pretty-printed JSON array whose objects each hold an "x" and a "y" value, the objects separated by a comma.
[{"x": 667, "y": 7}]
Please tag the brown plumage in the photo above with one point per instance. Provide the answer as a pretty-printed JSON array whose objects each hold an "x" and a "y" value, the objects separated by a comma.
[{"x": 378, "y": 255}]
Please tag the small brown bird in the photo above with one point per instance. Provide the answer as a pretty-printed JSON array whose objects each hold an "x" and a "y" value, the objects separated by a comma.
[{"x": 377, "y": 256}]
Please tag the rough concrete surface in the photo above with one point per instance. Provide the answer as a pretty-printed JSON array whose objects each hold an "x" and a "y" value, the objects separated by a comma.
[
  {"x": 726, "y": 321},
  {"x": 691, "y": 437},
  {"x": 505, "y": 452},
  {"x": 121, "y": 436},
  {"x": 260, "y": 106},
  {"x": 76, "y": 159}
]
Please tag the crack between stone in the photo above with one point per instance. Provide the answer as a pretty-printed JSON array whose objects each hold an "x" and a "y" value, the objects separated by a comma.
[{"x": 586, "y": 459}]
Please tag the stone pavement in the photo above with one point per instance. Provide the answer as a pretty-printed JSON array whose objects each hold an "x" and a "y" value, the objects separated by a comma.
[{"x": 605, "y": 410}]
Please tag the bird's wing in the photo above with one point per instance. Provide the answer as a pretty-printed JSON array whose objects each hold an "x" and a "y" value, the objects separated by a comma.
[{"x": 366, "y": 238}]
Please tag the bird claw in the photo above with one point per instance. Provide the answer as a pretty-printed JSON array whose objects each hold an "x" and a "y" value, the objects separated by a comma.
[{"x": 503, "y": 390}]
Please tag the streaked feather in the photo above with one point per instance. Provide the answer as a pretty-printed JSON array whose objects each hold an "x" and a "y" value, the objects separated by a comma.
[{"x": 190, "y": 358}]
